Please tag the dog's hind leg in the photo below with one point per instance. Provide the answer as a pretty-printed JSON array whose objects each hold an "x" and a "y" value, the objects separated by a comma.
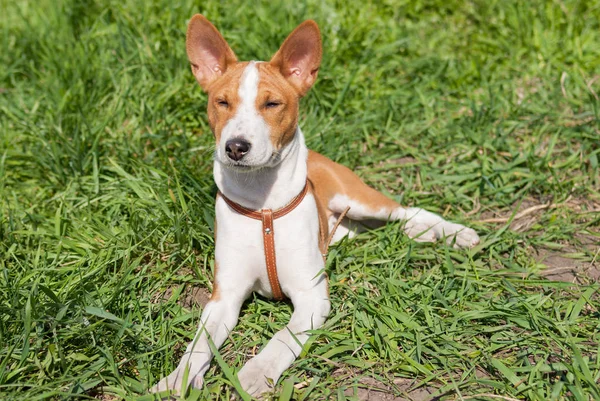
[
  {"x": 421, "y": 225},
  {"x": 338, "y": 188}
]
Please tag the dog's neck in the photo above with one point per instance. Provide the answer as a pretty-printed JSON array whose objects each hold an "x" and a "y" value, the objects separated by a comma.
[{"x": 267, "y": 187}]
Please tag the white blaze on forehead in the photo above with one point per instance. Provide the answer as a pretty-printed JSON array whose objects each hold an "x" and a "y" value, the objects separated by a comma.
[
  {"x": 247, "y": 123},
  {"x": 248, "y": 89}
]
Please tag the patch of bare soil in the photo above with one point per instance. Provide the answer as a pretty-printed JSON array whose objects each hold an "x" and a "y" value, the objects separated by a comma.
[
  {"x": 572, "y": 263},
  {"x": 530, "y": 211},
  {"x": 370, "y": 389},
  {"x": 107, "y": 397},
  {"x": 567, "y": 265},
  {"x": 189, "y": 297}
]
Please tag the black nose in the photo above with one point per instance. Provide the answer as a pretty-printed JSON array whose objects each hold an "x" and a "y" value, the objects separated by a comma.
[{"x": 236, "y": 148}]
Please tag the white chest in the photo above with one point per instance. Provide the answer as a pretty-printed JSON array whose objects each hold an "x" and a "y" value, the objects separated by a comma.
[{"x": 240, "y": 250}]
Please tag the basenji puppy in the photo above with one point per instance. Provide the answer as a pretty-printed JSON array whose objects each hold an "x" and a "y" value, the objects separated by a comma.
[{"x": 262, "y": 166}]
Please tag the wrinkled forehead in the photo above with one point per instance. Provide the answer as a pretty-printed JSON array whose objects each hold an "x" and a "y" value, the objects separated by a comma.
[
  {"x": 247, "y": 76},
  {"x": 228, "y": 82},
  {"x": 272, "y": 80}
]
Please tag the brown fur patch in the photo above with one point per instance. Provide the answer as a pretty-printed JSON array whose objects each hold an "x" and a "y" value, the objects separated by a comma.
[
  {"x": 282, "y": 119},
  {"x": 330, "y": 179},
  {"x": 224, "y": 88},
  {"x": 215, "y": 295}
]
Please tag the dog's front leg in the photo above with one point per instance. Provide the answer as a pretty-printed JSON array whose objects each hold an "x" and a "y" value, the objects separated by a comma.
[
  {"x": 310, "y": 311},
  {"x": 218, "y": 318}
]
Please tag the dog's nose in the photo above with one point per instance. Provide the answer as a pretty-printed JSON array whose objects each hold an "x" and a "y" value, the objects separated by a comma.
[{"x": 236, "y": 148}]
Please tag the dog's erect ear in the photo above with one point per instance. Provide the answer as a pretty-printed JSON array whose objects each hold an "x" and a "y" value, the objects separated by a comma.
[
  {"x": 299, "y": 57},
  {"x": 208, "y": 52}
]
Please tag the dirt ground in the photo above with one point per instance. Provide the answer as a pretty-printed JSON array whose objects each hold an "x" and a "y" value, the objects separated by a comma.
[
  {"x": 372, "y": 390},
  {"x": 577, "y": 260}
]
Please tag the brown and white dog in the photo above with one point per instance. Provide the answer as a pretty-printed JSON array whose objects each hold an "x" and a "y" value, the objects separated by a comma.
[{"x": 262, "y": 163}]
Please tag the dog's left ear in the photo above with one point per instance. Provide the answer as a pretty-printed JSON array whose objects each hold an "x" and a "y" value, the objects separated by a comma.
[{"x": 299, "y": 57}]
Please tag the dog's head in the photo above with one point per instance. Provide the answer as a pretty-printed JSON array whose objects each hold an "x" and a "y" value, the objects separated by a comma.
[{"x": 253, "y": 106}]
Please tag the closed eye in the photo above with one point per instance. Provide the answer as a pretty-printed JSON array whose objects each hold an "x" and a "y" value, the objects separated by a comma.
[
  {"x": 272, "y": 104},
  {"x": 223, "y": 103}
]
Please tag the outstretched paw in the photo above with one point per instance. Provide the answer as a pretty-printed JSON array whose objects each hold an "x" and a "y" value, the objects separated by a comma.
[
  {"x": 455, "y": 234},
  {"x": 175, "y": 384},
  {"x": 256, "y": 378},
  {"x": 459, "y": 235},
  {"x": 420, "y": 232}
]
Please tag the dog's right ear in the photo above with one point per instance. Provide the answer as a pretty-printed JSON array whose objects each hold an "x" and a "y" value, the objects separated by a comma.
[{"x": 207, "y": 50}]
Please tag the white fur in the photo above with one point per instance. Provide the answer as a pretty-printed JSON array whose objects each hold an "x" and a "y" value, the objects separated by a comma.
[
  {"x": 299, "y": 261},
  {"x": 271, "y": 187}
]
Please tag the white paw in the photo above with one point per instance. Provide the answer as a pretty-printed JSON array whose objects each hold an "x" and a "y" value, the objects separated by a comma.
[
  {"x": 420, "y": 232},
  {"x": 465, "y": 237},
  {"x": 175, "y": 381},
  {"x": 256, "y": 377}
]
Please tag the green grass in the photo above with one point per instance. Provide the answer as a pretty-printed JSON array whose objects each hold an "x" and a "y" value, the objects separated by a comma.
[{"x": 474, "y": 110}]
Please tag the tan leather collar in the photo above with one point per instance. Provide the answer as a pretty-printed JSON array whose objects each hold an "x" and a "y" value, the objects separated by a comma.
[{"x": 267, "y": 216}]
